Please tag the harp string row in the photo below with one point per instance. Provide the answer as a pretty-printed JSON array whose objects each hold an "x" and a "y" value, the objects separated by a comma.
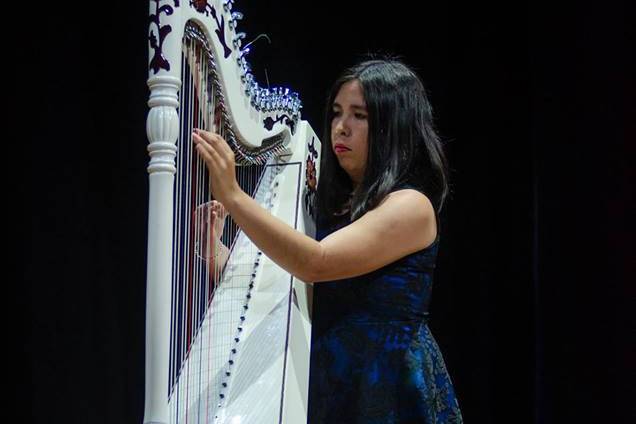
[{"x": 201, "y": 246}]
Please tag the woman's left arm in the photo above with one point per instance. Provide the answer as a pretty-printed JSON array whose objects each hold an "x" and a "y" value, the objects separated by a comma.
[{"x": 380, "y": 237}]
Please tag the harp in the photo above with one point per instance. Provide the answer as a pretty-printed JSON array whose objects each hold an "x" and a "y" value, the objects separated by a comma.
[{"x": 227, "y": 330}]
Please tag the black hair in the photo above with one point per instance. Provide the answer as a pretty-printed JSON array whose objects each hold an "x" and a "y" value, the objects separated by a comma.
[{"x": 404, "y": 148}]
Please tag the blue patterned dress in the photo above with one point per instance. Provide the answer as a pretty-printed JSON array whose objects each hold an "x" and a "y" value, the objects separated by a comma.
[{"x": 373, "y": 358}]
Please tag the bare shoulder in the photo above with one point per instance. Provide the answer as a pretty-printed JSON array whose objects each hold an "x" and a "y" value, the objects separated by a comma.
[
  {"x": 410, "y": 196},
  {"x": 410, "y": 203},
  {"x": 410, "y": 212}
]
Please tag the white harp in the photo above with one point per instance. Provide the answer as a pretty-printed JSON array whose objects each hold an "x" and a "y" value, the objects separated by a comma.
[{"x": 227, "y": 345}]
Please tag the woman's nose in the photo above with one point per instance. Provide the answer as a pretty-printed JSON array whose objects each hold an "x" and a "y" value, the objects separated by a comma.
[{"x": 341, "y": 127}]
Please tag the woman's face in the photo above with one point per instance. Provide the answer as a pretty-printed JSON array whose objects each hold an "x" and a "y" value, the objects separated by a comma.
[{"x": 349, "y": 130}]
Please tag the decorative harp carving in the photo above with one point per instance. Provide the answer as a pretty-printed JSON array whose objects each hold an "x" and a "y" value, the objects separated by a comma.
[{"x": 227, "y": 330}]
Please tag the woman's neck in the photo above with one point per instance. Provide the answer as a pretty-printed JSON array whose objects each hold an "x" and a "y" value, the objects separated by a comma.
[{"x": 355, "y": 183}]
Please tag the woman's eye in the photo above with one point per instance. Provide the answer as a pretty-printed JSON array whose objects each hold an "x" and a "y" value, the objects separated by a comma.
[{"x": 360, "y": 116}]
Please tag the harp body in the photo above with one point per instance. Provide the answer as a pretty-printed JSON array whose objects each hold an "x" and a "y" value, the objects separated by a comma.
[{"x": 229, "y": 345}]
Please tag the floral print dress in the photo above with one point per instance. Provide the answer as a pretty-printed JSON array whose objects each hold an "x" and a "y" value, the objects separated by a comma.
[{"x": 373, "y": 358}]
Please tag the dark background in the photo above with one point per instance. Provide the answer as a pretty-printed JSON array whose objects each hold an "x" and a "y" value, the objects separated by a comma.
[{"x": 536, "y": 268}]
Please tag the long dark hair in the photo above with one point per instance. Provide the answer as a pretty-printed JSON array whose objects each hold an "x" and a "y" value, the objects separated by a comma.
[{"x": 404, "y": 148}]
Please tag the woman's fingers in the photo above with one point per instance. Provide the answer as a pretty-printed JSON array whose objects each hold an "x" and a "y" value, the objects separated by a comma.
[
  {"x": 219, "y": 210},
  {"x": 210, "y": 138},
  {"x": 215, "y": 141},
  {"x": 208, "y": 152},
  {"x": 216, "y": 147},
  {"x": 220, "y": 162}
]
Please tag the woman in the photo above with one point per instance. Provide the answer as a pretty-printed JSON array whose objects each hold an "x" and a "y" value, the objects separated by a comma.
[{"x": 383, "y": 180}]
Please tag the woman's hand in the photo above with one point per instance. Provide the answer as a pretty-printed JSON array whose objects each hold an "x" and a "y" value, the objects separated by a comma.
[
  {"x": 209, "y": 219},
  {"x": 218, "y": 219},
  {"x": 219, "y": 158}
]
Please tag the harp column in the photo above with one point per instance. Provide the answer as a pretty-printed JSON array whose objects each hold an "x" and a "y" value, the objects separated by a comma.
[{"x": 162, "y": 128}]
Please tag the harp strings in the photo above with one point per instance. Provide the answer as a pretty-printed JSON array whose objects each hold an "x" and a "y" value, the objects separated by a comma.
[{"x": 209, "y": 271}]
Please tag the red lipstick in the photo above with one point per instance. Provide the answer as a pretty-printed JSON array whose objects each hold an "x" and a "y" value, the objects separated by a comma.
[{"x": 339, "y": 148}]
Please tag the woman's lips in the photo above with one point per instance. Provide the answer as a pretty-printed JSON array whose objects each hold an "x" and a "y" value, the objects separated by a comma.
[{"x": 339, "y": 148}]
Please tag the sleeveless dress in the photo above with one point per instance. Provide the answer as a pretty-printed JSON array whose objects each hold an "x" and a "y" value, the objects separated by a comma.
[{"x": 373, "y": 358}]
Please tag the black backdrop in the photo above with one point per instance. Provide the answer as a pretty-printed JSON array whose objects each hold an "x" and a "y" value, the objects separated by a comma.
[{"x": 536, "y": 104}]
